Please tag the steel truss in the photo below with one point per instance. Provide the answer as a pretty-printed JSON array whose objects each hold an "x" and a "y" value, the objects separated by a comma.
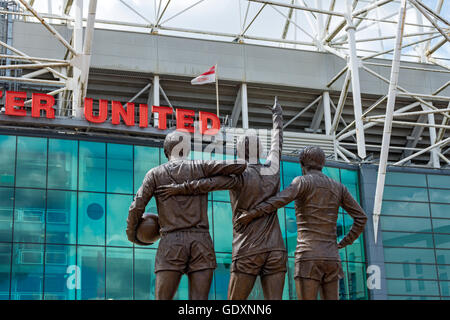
[{"x": 330, "y": 30}]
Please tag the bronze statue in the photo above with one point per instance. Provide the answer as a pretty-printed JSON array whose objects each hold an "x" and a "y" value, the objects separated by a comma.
[
  {"x": 258, "y": 248},
  {"x": 317, "y": 201},
  {"x": 185, "y": 245}
]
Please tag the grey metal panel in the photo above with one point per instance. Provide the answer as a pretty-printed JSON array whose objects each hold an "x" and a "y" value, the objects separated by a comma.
[{"x": 169, "y": 55}]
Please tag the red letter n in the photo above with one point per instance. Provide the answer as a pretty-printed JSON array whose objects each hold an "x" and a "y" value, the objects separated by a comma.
[{"x": 119, "y": 112}]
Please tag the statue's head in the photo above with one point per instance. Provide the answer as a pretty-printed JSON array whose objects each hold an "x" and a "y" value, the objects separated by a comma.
[
  {"x": 249, "y": 148},
  {"x": 177, "y": 145},
  {"x": 312, "y": 158}
]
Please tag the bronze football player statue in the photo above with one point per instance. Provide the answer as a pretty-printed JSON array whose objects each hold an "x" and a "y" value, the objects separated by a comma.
[
  {"x": 258, "y": 248},
  {"x": 185, "y": 245},
  {"x": 317, "y": 201}
]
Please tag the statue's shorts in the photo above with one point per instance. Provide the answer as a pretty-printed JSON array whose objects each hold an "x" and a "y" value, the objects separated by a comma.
[
  {"x": 321, "y": 270},
  {"x": 185, "y": 251},
  {"x": 261, "y": 264}
]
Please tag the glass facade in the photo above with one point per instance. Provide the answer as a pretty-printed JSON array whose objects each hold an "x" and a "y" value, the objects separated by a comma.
[
  {"x": 63, "y": 209},
  {"x": 415, "y": 226}
]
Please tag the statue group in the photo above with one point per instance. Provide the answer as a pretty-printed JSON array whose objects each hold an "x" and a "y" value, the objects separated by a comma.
[{"x": 181, "y": 188}]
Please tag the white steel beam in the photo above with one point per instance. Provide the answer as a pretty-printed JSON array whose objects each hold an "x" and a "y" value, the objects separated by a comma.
[
  {"x": 388, "y": 122},
  {"x": 237, "y": 108},
  {"x": 244, "y": 104},
  {"x": 327, "y": 112}
]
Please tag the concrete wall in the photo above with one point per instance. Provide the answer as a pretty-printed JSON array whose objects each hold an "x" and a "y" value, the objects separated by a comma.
[{"x": 168, "y": 55}]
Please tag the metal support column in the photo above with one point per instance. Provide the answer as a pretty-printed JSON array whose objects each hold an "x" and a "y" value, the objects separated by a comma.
[
  {"x": 244, "y": 102},
  {"x": 388, "y": 121}
]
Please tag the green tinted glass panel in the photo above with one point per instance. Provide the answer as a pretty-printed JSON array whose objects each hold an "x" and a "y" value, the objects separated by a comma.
[
  {"x": 7, "y": 160},
  {"x": 444, "y": 272},
  {"x": 119, "y": 273},
  {"x": 344, "y": 284},
  {"x": 441, "y": 225},
  {"x": 27, "y": 271},
  {"x": 349, "y": 177},
  {"x": 438, "y": 181},
  {"x": 443, "y": 256},
  {"x": 29, "y": 216},
  {"x": 144, "y": 276},
  {"x": 396, "y": 297},
  {"x": 445, "y": 289},
  {"x": 406, "y": 179},
  {"x": 356, "y": 275},
  {"x": 399, "y": 208},
  {"x": 91, "y": 218},
  {"x": 333, "y": 173},
  {"x": 291, "y": 231},
  {"x": 222, "y": 275},
  {"x": 91, "y": 261},
  {"x": 409, "y": 255},
  {"x": 62, "y": 164},
  {"x": 442, "y": 241},
  {"x": 92, "y": 166},
  {"x": 440, "y": 210},
  {"x": 439, "y": 195},
  {"x": 31, "y": 167},
  {"x": 355, "y": 251},
  {"x": 282, "y": 222},
  {"x": 417, "y": 287},
  {"x": 405, "y": 194},
  {"x": 406, "y": 224},
  {"x": 5, "y": 268},
  {"x": 116, "y": 209},
  {"x": 290, "y": 282},
  {"x": 6, "y": 213},
  {"x": 404, "y": 239},
  {"x": 120, "y": 168},
  {"x": 411, "y": 271},
  {"x": 61, "y": 217},
  {"x": 290, "y": 171},
  {"x": 223, "y": 228},
  {"x": 61, "y": 276},
  {"x": 145, "y": 158}
]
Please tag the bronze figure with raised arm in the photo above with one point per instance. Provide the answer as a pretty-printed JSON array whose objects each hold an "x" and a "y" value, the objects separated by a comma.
[
  {"x": 185, "y": 245},
  {"x": 258, "y": 248},
  {"x": 317, "y": 201}
]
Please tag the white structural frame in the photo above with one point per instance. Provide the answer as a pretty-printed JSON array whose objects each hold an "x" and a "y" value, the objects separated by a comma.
[{"x": 329, "y": 31}]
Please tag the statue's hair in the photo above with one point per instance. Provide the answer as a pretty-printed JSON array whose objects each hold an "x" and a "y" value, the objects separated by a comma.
[
  {"x": 312, "y": 158},
  {"x": 178, "y": 139}
]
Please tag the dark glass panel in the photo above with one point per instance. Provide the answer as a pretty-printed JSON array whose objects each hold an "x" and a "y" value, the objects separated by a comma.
[
  {"x": 6, "y": 213},
  {"x": 438, "y": 181},
  {"x": 357, "y": 286},
  {"x": 62, "y": 164},
  {"x": 31, "y": 162},
  {"x": 61, "y": 276},
  {"x": 29, "y": 216},
  {"x": 5, "y": 270},
  {"x": 144, "y": 274},
  {"x": 119, "y": 273},
  {"x": 223, "y": 228},
  {"x": 406, "y": 224},
  {"x": 411, "y": 271},
  {"x": 61, "y": 217},
  {"x": 92, "y": 162},
  {"x": 406, "y": 179},
  {"x": 416, "y": 287},
  {"x": 405, "y": 255},
  {"x": 91, "y": 261},
  {"x": 403, "y": 239},
  {"x": 7, "y": 160},
  {"x": 120, "y": 168}
]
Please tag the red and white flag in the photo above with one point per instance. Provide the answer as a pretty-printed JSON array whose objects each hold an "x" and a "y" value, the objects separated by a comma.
[{"x": 207, "y": 77}]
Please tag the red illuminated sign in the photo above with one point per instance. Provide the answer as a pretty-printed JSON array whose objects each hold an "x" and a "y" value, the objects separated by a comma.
[{"x": 15, "y": 103}]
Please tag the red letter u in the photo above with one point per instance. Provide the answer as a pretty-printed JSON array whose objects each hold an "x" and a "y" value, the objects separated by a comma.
[{"x": 102, "y": 113}]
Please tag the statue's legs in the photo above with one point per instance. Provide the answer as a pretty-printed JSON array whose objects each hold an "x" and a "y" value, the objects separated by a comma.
[
  {"x": 199, "y": 284},
  {"x": 240, "y": 286},
  {"x": 273, "y": 285},
  {"x": 307, "y": 289},
  {"x": 166, "y": 284},
  {"x": 330, "y": 290}
]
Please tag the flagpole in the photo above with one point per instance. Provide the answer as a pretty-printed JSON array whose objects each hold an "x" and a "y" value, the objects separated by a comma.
[{"x": 217, "y": 90}]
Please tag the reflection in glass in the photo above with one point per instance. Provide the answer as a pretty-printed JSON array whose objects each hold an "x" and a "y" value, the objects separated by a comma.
[
  {"x": 356, "y": 281},
  {"x": 119, "y": 273},
  {"x": 410, "y": 209},
  {"x": 117, "y": 208},
  {"x": 291, "y": 231},
  {"x": 144, "y": 276},
  {"x": 405, "y": 194},
  {"x": 60, "y": 281},
  {"x": 417, "y": 287},
  {"x": 439, "y": 195},
  {"x": 406, "y": 179},
  {"x": 7, "y": 160},
  {"x": 92, "y": 166},
  {"x": 404, "y": 239},
  {"x": 406, "y": 224},
  {"x": 91, "y": 261},
  {"x": 120, "y": 168},
  {"x": 438, "y": 181},
  {"x": 6, "y": 213},
  {"x": 61, "y": 217},
  {"x": 29, "y": 216},
  {"x": 408, "y": 255},
  {"x": 62, "y": 164},
  {"x": 91, "y": 218},
  {"x": 222, "y": 275},
  {"x": 145, "y": 158},
  {"x": 27, "y": 271},
  {"x": 440, "y": 210},
  {"x": 31, "y": 162},
  {"x": 411, "y": 271},
  {"x": 223, "y": 229},
  {"x": 5, "y": 268}
]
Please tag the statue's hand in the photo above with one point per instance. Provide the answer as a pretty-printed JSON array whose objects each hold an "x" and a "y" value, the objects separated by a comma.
[
  {"x": 244, "y": 219},
  {"x": 169, "y": 190}
]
